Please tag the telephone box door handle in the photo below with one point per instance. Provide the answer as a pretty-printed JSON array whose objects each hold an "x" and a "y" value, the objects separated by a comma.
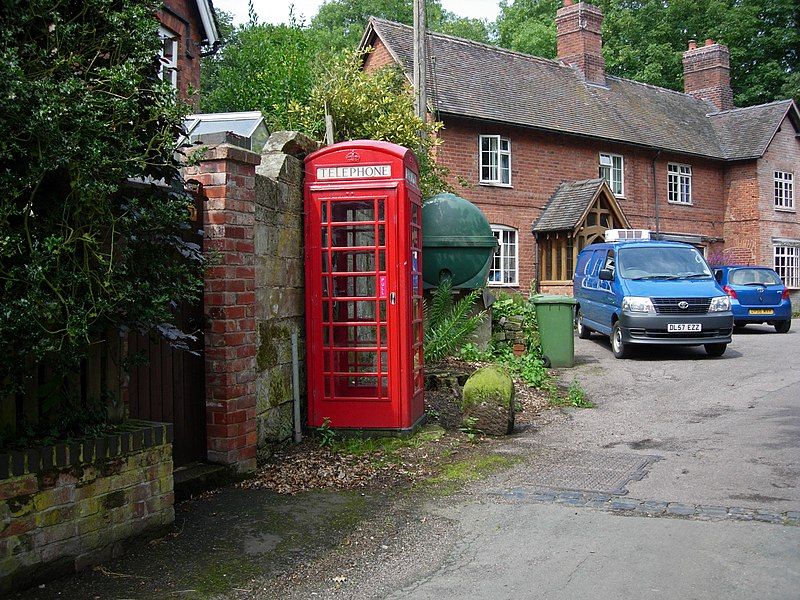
[{"x": 392, "y": 298}]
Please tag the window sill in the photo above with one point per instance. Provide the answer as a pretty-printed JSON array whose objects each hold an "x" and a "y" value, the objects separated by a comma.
[
  {"x": 491, "y": 184},
  {"x": 785, "y": 210},
  {"x": 675, "y": 203},
  {"x": 502, "y": 285}
]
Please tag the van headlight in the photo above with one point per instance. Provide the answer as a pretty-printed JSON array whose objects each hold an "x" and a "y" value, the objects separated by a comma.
[
  {"x": 636, "y": 304},
  {"x": 720, "y": 304}
]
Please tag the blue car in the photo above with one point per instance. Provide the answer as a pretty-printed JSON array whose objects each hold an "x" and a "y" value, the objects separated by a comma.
[
  {"x": 757, "y": 296},
  {"x": 650, "y": 292}
]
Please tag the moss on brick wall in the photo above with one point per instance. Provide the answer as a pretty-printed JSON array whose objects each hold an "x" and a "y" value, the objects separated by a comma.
[{"x": 81, "y": 510}]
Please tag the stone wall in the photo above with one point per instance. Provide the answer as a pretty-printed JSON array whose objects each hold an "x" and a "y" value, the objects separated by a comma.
[
  {"x": 507, "y": 333},
  {"x": 68, "y": 506},
  {"x": 280, "y": 295}
]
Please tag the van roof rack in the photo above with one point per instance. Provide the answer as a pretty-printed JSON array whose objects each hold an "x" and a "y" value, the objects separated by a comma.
[{"x": 623, "y": 235}]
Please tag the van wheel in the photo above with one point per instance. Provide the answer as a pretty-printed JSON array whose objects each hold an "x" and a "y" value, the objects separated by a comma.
[
  {"x": 783, "y": 326},
  {"x": 583, "y": 332},
  {"x": 715, "y": 349},
  {"x": 618, "y": 347}
]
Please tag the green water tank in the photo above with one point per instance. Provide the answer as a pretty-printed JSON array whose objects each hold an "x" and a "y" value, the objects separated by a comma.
[{"x": 457, "y": 242}]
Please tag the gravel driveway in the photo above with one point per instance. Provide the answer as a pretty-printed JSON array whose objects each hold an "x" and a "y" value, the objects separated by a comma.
[{"x": 728, "y": 428}]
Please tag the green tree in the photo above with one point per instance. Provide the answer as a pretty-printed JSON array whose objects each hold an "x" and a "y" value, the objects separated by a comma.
[
  {"x": 82, "y": 248},
  {"x": 341, "y": 23},
  {"x": 644, "y": 40},
  {"x": 478, "y": 30},
  {"x": 528, "y": 26},
  {"x": 376, "y": 106},
  {"x": 261, "y": 67}
]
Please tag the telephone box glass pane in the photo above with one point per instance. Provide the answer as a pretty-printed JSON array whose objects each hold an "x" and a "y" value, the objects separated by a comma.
[
  {"x": 345, "y": 261},
  {"x": 350, "y": 236},
  {"x": 345, "y": 212},
  {"x": 355, "y": 362},
  {"x": 354, "y": 286},
  {"x": 346, "y": 336}
]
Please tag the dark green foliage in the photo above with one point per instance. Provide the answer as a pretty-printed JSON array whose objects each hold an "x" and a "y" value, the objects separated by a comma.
[
  {"x": 448, "y": 324},
  {"x": 261, "y": 67},
  {"x": 82, "y": 251},
  {"x": 341, "y": 23},
  {"x": 369, "y": 106},
  {"x": 645, "y": 40}
]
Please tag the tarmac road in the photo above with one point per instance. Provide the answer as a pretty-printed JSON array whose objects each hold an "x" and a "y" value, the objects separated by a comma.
[
  {"x": 728, "y": 428},
  {"x": 727, "y": 431}
]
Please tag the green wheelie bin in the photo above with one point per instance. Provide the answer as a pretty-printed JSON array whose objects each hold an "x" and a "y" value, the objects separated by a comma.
[{"x": 555, "y": 317}]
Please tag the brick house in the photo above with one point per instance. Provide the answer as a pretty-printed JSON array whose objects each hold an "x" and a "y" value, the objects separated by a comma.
[
  {"x": 188, "y": 29},
  {"x": 532, "y": 136}
]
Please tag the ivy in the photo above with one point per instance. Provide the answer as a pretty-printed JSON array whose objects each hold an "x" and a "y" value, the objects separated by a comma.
[{"x": 88, "y": 243}]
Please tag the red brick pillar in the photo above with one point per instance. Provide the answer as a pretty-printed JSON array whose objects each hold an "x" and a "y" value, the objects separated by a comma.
[{"x": 227, "y": 173}]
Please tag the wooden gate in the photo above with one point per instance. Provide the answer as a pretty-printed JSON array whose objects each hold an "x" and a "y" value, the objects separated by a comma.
[{"x": 168, "y": 384}]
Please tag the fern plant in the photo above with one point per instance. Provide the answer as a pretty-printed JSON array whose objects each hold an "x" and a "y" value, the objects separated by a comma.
[{"x": 448, "y": 324}]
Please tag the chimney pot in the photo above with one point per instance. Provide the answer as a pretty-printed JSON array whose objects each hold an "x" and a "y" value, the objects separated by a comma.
[
  {"x": 567, "y": 2},
  {"x": 706, "y": 73}
]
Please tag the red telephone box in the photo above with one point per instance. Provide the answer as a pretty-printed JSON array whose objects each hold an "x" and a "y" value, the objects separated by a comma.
[{"x": 363, "y": 219}]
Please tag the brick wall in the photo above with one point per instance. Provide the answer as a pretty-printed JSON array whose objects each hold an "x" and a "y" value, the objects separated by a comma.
[
  {"x": 783, "y": 154},
  {"x": 182, "y": 17},
  {"x": 378, "y": 58},
  {"x": 540, "y": 162},
  {"x": 65, "y": 507},
  {"x": 742, "y": 213},
  {"x": 227, "y": 173}
]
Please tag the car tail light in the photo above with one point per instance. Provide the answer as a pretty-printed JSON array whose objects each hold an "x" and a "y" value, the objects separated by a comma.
[
  {"x": 730, "y": 291},
  {"x": 785, "y": 294}
]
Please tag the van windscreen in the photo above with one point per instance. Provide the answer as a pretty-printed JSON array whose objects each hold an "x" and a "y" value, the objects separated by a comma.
[{"x": 662, "y": 263}]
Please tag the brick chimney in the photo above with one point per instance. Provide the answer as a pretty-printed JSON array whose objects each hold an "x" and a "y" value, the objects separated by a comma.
[
  {"x": 707, "y": 73},
  {"x": 579, "y": 39}
]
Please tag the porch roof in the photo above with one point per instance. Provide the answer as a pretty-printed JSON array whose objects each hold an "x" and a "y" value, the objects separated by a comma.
[{"x": 568, "y": 204}]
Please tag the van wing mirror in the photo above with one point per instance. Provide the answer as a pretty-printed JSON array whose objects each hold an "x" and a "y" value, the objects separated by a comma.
[
  {"x": 606, "y": 275},
  {"x": 718, "y": 276}
]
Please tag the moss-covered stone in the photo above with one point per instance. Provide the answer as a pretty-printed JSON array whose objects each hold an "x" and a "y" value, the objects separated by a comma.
[
  {"x": 267, "y": 354},
  {"x": 487, "y": 401}
]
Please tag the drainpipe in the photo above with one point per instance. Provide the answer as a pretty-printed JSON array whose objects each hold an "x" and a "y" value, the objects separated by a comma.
[{"x": 655, "y": 194}]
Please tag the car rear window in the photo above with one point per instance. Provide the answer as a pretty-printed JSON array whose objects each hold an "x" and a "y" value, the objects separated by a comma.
[{"x": 754, "y": 277}]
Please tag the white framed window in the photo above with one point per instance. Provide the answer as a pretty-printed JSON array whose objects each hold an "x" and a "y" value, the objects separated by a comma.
[
  {"x": 612, "y": 170},
  {"x": 168, "y": 56},
  {"x": 784, "y": 190},
  {"x": 495, "y": 159},
  {"x": 679, "y": 183},
  {"x": 506, "y": 257},
  {"x": 787, "y": 265}
]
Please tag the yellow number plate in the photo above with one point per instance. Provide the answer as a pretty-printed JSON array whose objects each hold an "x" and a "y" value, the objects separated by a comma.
[{"x": 762, "y": 311}]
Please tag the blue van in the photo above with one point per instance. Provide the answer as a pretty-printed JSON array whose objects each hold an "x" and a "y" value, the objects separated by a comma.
[{"x": 650, "y": 292}]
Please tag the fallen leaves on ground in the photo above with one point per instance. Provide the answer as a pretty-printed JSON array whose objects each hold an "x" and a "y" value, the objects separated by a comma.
[{"x": 307, "y": 466}]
